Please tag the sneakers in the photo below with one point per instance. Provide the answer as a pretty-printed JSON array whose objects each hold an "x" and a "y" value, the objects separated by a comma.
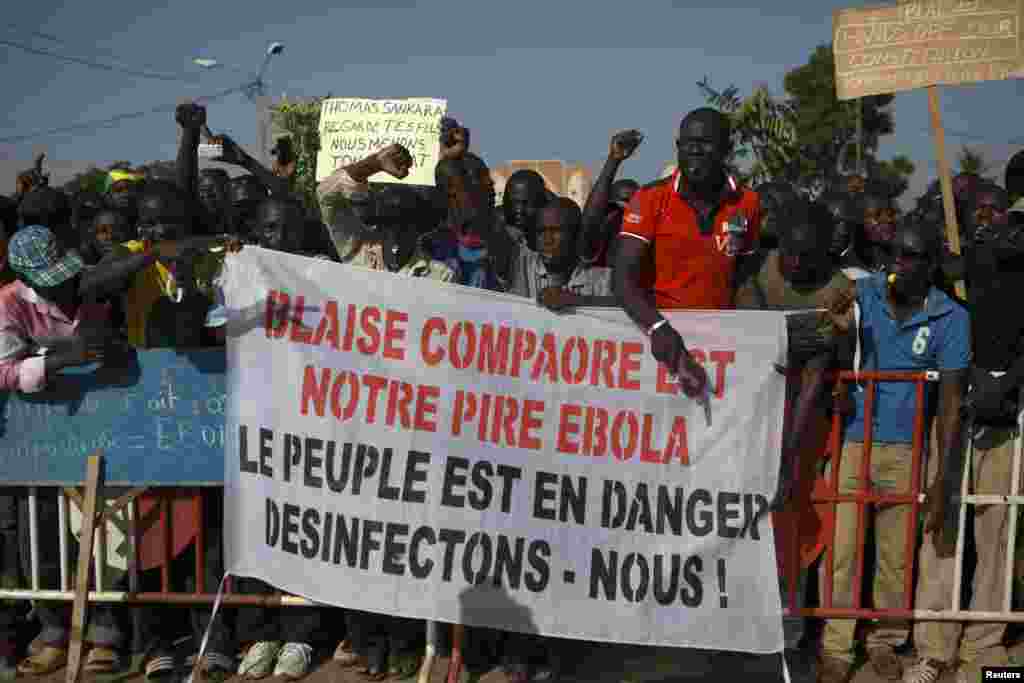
[
  {"x": 259, "y": 659},
  {"x": 294, "y": 660},
  {"x": 885, "y": 663},
  {"x": 833, "y": 670},
  {"x": 924, "y": 671}
]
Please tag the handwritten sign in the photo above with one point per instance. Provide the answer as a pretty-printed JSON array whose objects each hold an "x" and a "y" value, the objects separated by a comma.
[
  {"x": 909, "y": 45},
  {"x": 159, "y": 421},
  {"x": 351, "y": 129}
]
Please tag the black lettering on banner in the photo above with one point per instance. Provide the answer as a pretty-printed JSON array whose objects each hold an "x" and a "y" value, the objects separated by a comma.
[
  {"x": 273, "y": 523},
  {"x": 670, "y": 512},
  {"x": 603, "y": 575},
  {"x": 452, "y": 479},
  {"x": 313, "y": 463},
  {"x": 266, "y": 452},
  {"x": 484, "y": 542},
  {"x": 537, "y": 556},
  {"x": 509, "y": 476},
  {"x": 638, "y": 592},
  {"x": 337, "y": 483},
  {"x": 640, "y": 510},
  {"x": 366, "y": 466},
  {"x": 310, "y": 543},
  {"x": 414, "y": 473},
  {"x": 394, "y": 550},
  {"x": 691, "y": 575},
  {"x": 666, "y": 595},
  {"x": 706, "y": 516},
  {"x": 290, "y": 528},
  {"x": 574, "y": 499},
  {"x": 422, "y": 535},
  {"x": 451, "y": 538},
  {"x": 384, "y": 490},
  {"x": 482, "y": 472},
  {"x": 346, "y": 538},
  {"x": 371, "y": 527},
  {"x": 544, "y": 491},
  {"x": 509, "y": 562},
  {"x": 725, "y": 514},
  {"x": 329, "y": 520},
  {"x": 619, "y": 491},
  {"x": 757, "y": 516},
  {"x": 608, "y": 576},
  {"x": 292, "y": 454},
  {"x": 246, "y": 465}
]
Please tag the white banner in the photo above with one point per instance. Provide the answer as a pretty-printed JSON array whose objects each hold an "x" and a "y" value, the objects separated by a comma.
[{"x": 433, "y": 451}]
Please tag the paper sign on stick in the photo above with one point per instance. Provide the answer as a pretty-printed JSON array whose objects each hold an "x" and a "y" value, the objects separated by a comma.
[
  {"x": 889, "y": 48},
  {"x": 352, "y": 128}
]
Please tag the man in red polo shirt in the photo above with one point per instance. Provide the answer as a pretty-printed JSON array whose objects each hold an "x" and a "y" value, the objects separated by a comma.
[
  {"x": 681, "y": 239},
  {"x": 691, "y": 227}
]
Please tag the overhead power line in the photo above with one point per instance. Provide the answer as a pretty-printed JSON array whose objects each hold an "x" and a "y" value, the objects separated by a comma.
[
  {"x": 100, "y": 54},
  {"x": 104, "y": 123},
  {"x": 97, "y": 65}
]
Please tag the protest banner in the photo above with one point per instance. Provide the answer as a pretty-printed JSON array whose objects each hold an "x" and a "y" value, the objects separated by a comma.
[
  {"x": 157, "y": 416},
  {"x": 353, "y": 128},
  {"x": 927, "y": 43},
  {"x": 432, "y": 451}
]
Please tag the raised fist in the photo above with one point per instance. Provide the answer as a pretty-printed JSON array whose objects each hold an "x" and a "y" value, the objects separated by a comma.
[
  {"x": 624, "y": 143},
  {"x": 395, "y": 160},
  {"x": 190, "y": 116}
]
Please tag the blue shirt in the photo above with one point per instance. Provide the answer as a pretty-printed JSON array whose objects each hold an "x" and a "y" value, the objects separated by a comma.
[
  {"x": 472, "y": 266},
  {"x": 937, "y": 338}
]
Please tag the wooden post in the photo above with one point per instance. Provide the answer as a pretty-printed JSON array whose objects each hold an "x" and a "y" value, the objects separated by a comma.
[
  {"x": 948, "y": 203},
  {"x": 93, "y": 501},
  {"x": 455, "y": 664}
]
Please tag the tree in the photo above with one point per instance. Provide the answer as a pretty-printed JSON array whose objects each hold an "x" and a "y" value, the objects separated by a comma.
[
  {"x": 827, "y": 128},
  {"x": 762, "y": 132},
  {"x": 300, "y": 119},
  {"x": 973, "y": 161},
  {"x": 894, "y": 174},
  {"x": 808, "y": 137}
]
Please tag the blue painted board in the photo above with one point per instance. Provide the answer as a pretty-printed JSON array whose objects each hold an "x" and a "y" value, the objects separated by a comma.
[{"x": 157, "y": 416}]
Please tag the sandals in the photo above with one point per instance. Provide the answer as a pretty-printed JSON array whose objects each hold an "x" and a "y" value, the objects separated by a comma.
[
  {"x": 159, "y": 667},
  {"x": 103, "y": 660},
  {"x": 346, "y": 656},
  {"x": 46, "y": 661}
]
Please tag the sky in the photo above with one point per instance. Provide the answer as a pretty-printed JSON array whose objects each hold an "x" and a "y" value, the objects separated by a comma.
[{"x": 532, "y": 79}]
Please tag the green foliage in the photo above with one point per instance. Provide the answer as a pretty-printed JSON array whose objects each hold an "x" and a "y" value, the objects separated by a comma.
[
  {"x": 972, "y": 161},
  {"x": 893, "y": 174},
  {"x": 94, "y": 179},
  {"x": 300, "y": 119},
  {"x": 808, "y": 137}
]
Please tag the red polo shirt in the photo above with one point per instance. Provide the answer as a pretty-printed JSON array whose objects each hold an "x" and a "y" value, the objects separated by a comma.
[{"x": 692, "y": 270}]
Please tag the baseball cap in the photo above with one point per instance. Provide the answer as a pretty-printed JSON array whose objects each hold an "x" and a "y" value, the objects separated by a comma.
[
  {"x": 34, "y": 253},
  {"x": 1018, "y": 206}
]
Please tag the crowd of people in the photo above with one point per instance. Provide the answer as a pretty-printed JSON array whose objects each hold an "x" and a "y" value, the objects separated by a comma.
[{"x": 89, "y": 276}]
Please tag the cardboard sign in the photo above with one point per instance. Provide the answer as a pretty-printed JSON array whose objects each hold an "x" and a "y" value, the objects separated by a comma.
[
  {"x": 889, "y": 48},
  {"x": 353, "y": 128}
]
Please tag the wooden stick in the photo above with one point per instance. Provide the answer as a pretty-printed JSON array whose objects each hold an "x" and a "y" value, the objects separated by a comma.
[
  {"x": 455, "y": 664},
  {"x": 93, "y": 499},
  {"x": 948, "y": 203}
]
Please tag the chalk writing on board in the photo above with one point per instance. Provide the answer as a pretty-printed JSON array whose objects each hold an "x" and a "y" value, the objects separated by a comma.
[
  {"x": 915, "y": 44},
  {"x": 163, "y": 427}
]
